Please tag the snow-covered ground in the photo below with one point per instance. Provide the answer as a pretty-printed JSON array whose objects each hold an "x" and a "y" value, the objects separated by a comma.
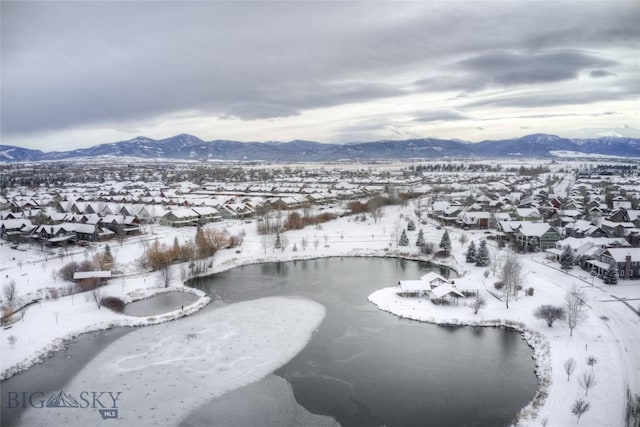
[{"x": 610, "y": 333}]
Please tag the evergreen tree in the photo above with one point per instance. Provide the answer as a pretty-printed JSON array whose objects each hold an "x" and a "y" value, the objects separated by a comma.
[
  {"x": 611, "y": 276},
  {"x": 278, "y": 242},
  {"x": 482, "y": 258},
  {"x": 566, "y": 258},
  {"x": 445, "y": 242},
  {"x": 404, "y": 240},
  {"x": 411, "y": 226},
  {"x": 420, "y": 240},
  {"x": 108, "y": 258},
  {"x": 201, "y": 242},
  {"x": 471, "y": 252}
]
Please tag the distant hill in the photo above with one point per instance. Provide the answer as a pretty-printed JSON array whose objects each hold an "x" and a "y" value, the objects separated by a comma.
[{"x": 188, "y": 147}]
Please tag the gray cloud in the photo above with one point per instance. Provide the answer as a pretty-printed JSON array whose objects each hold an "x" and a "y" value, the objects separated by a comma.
[
  {"x": 548, "y": 99},
  {"x": 437, "y": 116},
  {"x": 601, "y": 73},
  {"x": 506, "y": 68},
  {"x": 83, "y": 64}
]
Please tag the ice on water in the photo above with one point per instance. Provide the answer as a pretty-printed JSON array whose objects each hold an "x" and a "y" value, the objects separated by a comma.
[{"x": 166, "y": 371}]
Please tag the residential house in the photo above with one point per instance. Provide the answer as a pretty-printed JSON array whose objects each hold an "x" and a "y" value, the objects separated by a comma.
[
  {"x": 528, "y": 214},
  {"x": 536, "y": 236},
  {"x": 180, "y": 218},
  {"x": 625, "y": 260}
]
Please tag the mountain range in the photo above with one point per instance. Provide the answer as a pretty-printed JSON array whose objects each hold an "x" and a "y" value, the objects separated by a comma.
[{"x": 188, "y": 147}]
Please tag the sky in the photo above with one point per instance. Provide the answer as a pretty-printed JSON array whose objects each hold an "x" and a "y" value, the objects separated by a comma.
[{"x": 77, "y": 74}]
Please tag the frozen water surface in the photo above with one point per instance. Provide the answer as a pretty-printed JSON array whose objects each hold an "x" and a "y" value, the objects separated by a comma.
[{"x": 165, "y": 372}]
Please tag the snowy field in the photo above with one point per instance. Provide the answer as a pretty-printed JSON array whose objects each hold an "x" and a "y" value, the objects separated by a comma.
[{"x": 609, "y": 333}]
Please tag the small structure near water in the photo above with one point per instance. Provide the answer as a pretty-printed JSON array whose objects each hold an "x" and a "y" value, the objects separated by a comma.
[{"x": 431, "y": 285}]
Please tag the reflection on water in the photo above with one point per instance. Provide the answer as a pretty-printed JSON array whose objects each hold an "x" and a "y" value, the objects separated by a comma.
[
  {"x": 368, "y": 367},
  {"x": 159, "y": 304}
]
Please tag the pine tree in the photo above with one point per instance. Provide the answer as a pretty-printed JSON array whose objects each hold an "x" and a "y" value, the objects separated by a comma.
[
  {"x": 108, "y": 258},
  {"x": 445, "y": 243},
  {"x": 278, "y": 242},
  {"x": 411, "y": 226},
  {"x": 566, "y": 258},
  {"x": 471, "y": 252},
  {"x": 404, "y": 240},
  {"x": 420, "y": 240},
  {"x": 482, "y": 258},
  {"x": 611, "y": 276}
]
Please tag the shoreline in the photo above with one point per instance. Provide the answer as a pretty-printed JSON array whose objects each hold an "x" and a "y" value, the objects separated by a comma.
[{"x": 535, "y": 340}]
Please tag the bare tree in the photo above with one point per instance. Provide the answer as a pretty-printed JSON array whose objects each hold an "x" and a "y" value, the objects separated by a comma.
[
  {"x": 12, "y": 340},
  {"x": 96, "y": 294},
  {"x": 549, "y": 313},
  {"x": 495, "y": 261},
  {"x": 264, "y": 242},
  {"x": 284, "y": 242},
  {"x": 591, "y": 361},
  {"x": 316, "y": 242},
  {"x": 586, "y": 381},
  {"x": 166, "y": 275},
  {"x": 575, "y": 308},
  {"x": 463, "y": 238},
  {"x": 376, "y": 212},
  {"x": 9, "y": 290},
  {"x": 512, "y": 277},
  {"x": 304, "y": 243},
  {"x": 569, "y": 367},
  {"x": 579, "y": 407},
  {"x": 477, "y": 304}
]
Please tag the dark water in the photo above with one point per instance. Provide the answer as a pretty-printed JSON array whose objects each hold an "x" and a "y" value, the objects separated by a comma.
[
  {"x": 368, "y": 367},
  {"x": 363, "y": 366},
  {"x": 159, "y": 304}
]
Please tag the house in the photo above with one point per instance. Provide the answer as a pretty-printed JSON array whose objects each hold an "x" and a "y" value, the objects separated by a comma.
[
  {"x": 528, "y": 214},
  {"x": 480, "y": 219},
  {"x": 584, "y": 228},
  {"x": 536, "y": 236},
  {"x": 445, "y": 290},
  {"x": 15, "y": 229},
  {"x": 433, "y": 279},
  {"x": 180, "y": 218},
  {"x": 207, "y": 214},
  {"x": 625, "y": 260},
  {"x": 414, "y": 288},
  {"x": 127, "y": 225}
]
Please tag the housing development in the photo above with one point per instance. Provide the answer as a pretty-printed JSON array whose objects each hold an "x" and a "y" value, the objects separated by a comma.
[{"x": 519, "y": 240}]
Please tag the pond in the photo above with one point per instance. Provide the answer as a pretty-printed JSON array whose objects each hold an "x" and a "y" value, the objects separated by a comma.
[
  {"x": 362, "y": 366},
  {"x": 368, "y": 367},
  {"x": 159, "y": 304}
]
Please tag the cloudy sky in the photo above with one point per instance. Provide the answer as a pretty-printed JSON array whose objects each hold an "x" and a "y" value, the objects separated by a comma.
[{"x": 76, "y": 74}]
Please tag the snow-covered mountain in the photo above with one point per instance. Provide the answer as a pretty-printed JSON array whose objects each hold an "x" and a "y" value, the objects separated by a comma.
[{"x": 188, "y": 147}]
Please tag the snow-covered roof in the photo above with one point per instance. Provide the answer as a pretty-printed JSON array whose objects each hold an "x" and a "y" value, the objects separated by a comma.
[
  {"x": 533, "y": 228},
  {"x": 446, "y": 289},
  {"x": 414, "y": 285},
  {"x": 100, "y": 274},
  {"x": 431, "y": 277},
  {"x": 620, "y": 254}
]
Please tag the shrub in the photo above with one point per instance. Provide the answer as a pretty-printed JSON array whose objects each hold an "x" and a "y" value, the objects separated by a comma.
[
  {"x": 530, "y": 292},
  {"x": 113, "y": 303},
  {"x": 68, "y": 270},
  {"x": 498, "y": 285}
]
